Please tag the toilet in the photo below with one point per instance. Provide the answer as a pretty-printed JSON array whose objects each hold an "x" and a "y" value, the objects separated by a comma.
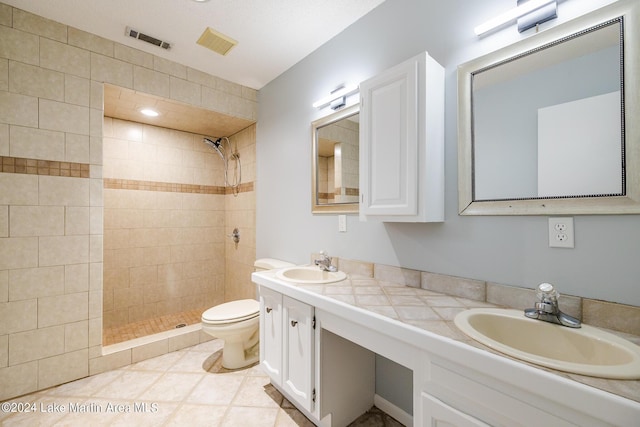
[{"x": 237, "y": 323}]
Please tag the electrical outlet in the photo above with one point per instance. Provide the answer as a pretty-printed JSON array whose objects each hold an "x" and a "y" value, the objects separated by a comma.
[{"x": 561, "y": 233}]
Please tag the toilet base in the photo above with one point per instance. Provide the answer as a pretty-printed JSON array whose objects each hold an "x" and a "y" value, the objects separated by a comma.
[{"x": 234, "y": 356}]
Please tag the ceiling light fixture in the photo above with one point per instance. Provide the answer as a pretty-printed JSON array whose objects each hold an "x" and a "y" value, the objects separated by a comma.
[
  {"x": 529, "y": 13},
  {"x": 149, "y": 112},
  {"x": 338, "y": 95}
]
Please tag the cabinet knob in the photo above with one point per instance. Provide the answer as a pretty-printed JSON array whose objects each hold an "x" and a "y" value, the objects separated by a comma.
[
  {"x": 268, "y": 309},
  {"x": 294, "y": 323}
]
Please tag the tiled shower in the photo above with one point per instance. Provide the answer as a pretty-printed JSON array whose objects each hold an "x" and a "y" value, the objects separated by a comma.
[{"x": 164, "y": 225}]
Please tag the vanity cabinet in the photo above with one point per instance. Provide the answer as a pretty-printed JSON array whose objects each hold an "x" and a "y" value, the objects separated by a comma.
[
  {"x": 402, "y": 143},
  {"x": 287, "y": 346}
]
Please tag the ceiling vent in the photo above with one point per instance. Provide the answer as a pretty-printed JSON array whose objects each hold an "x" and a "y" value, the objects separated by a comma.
[
  {"x": 145, "y": 38},
  {"x": 217, "y": 42}
]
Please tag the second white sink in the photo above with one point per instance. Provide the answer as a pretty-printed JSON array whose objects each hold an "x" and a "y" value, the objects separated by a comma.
[
  {"x": 586, "y": 350},
  {"x": 310, "y": 274}
]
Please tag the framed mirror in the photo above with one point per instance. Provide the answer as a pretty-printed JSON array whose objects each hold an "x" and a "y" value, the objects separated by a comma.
[
  {"x": 335, "y": 162},
  {"x": 549, "y": 125}
]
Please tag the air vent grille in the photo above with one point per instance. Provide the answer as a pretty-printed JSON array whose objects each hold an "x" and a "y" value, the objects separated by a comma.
[
  {"x": 147, "y": 38},
  {"x": 217, "y": 42}
]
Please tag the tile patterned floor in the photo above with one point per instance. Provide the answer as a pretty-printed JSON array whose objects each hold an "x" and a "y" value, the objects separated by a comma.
[
  {"x": 184, "y": 388},
  {"x": 146, "y": 327}
]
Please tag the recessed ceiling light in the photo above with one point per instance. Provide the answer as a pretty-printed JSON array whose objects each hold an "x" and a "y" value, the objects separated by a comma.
[{"x": 149, "y": 112}]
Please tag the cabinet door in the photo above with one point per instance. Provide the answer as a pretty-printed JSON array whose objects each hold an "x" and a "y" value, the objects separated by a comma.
[
  {"x": 439, "y": 414},
  {"x": 298, "y": 368},
  {"x": 389, "y": 148},
  {"x": 271, "y": 333}
]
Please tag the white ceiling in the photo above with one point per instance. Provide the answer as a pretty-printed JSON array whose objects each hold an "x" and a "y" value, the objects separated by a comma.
[{"x": 272, "y": 35}]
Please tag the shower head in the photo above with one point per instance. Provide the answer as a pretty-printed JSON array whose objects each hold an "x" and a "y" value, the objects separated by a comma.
[{"x": 216, "y": 145}]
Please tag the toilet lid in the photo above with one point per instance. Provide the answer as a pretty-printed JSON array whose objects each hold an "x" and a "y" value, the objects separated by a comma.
[{"x": 234, "y": 311}]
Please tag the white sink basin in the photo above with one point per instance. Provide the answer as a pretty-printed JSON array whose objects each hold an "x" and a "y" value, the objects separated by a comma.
[
  {"x": 310, "y": 274},
  {"x": 586, "y": 350}
]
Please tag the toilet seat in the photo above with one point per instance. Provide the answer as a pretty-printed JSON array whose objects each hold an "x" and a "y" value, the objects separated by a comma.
[{"x": 232, "y": 312}]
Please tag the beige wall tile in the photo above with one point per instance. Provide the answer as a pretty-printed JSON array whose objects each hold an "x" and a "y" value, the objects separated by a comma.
[
  {"x": 169, "y": 67},
  {"x": 149, "y": 81},
  {"x": 404, "y": 276},
  {"x": 18, "y": 316},
  {"x": 4, "y": 351},
  {"x": 4, "y": 221},
  {"x": 32, "y": 143},
  {"x": 36, "y": 221},
  {"x": 4, "y": 285},
  {"x": 95, "y": 122},
  {"x": 133, "y": 56},
  {"x": 18, "y": 380},
  {"x": 90, "y": 42},
  {"x": 18, "y": 252},
  {"x": 57, "y": 191},
  {"x": 76, "y": 336},
  {"x": 58, "y": 310},
  {"x": 35, "y": 81},
  {"x": 63, "y": 250},
  {"x": 109, "y": 70},
  {"x": 510, "y": 296},
  {"x": 38, "y": 25},
  {"x": 458, "y": 286},
  {"x": 18, "y": 189},
  {"x": 77, "y": 148},
  {"x": 63, "y": 368},
  {"x": 77, "y": 90},
  {"x": 76, "y": 220},
  {"x": 185, "y": 91},
  {"x": 95, "y": 332},
  {"x": 619, "y": 317},
  {"x": 4, "y": 74},
  {"x": 6, "y": 15},
  {"x": 17, "y": 109},
  {"x": 4, "y": 138},
  {"x": 358, "y": 268},
  {"x": 18, "y": 45},
  {"x": 63, "y": 117},
  {"x": 31, "y": 283},
  {"x": 96, "y": 251},
  {"x": 76, "y": 278},
  {"x": 35, "y": 344},
  {"x": 62, "y": 57}
]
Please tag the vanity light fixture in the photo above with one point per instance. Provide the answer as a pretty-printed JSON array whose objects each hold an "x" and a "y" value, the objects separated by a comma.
[
  {"x": 149, "y": 112},
  {"x": 337, "y": 99},
  {"x": 528, "y": 13}
]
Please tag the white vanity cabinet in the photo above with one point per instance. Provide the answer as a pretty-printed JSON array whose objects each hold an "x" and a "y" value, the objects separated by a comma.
[
  {"x": 287, "y": 346},
  {"x": 402, "y": 143}
]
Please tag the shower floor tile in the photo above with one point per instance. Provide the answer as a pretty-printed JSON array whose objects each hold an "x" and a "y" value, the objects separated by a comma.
[{"x": 146, "y": 327}]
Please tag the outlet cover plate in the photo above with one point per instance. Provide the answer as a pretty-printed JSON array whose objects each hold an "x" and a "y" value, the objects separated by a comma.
[{"x": 561, "y": 232}]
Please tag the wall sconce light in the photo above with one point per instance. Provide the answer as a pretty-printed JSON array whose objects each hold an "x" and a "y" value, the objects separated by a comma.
[
  {"x": 528, "y": 13},
  {"x": 338, "y": 97}
]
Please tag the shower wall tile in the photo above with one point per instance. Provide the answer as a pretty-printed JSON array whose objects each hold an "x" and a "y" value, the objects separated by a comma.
[
  {"x": 4, "y": 221},
  {"x": 109, "y": 70},
  {"x": 90, "y": 42},
  {"x": 76, "y": 278},
  {"x": 170, "y": 67},
  {"x": 77, "y": 90},
  {"x": 29, "y": 283},
  {"x": 133, "y": 56},
  {"x": 18, "y": 316},
  {"x": 185, "y": 91},
  {"x": 63, "y": 368},
  {"x": 35, "y": 344},
  {"x": 61, "y": 309},
  {"x": 37, "y": 221},
  {"x": 4, "y": 74},
  {"x": 4, "y": 351},
  {"x": 18, "y": 252},
  {"x": 63, "y": 250},
  {"x": 4, "y": 139},
  {"x": 152, "y": 82},
  {"x": 62, "y": 191},
  {"x": 17, "y": 109},
  {"x": 63, "y": 117},
  {"x": 6, "y": 15}
]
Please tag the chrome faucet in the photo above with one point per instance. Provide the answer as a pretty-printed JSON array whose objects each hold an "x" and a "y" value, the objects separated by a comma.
[
  {"x": 546, "y": 309},
  {"x": 324, "y": 262}
]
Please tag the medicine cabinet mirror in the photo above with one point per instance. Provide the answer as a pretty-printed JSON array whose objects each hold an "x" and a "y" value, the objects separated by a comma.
[
  {"x": 335, "y": 162},
  {"x": 549, "y": 125}
]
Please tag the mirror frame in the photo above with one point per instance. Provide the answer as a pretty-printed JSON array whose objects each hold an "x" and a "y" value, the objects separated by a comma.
[
  {"x": 629, "y": 203},
  {"x": 328, "y": 208}
]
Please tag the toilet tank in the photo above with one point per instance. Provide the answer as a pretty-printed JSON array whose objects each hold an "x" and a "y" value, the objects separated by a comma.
[{"x": 270, "y": 264}]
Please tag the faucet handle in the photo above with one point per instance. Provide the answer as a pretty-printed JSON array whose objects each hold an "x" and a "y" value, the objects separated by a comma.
[{"x": 546, "y": 291}]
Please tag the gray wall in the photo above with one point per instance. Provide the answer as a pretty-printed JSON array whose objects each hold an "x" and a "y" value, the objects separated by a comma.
[{"x": 508, "y": 250}]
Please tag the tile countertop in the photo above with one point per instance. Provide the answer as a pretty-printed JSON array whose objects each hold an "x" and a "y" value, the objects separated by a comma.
[{"x": 434, "y": 312}]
